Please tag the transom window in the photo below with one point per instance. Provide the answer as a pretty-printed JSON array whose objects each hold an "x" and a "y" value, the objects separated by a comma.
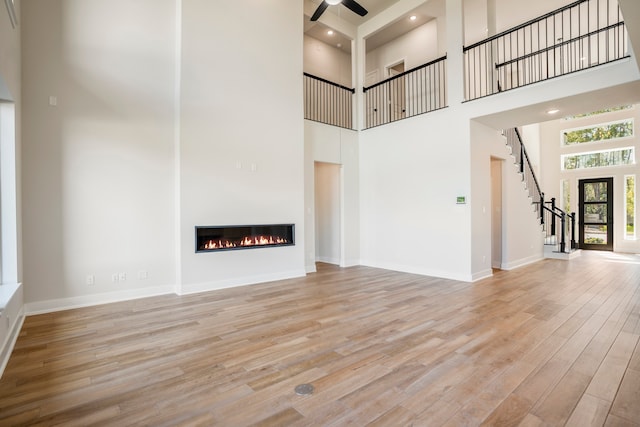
[
  {"x": 603, "y": 111},
  {"x": 601, "y": 132},
  {"x": 597, "y": 159}
]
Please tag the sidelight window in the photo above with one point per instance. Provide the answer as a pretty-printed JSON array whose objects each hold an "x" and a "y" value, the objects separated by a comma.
[{"x": 630, "y": 206}]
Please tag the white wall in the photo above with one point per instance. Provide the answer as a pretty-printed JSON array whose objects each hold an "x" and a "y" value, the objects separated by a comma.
[
  {"x": 242, "y": 136},
  {"x": 327, "y": 62},
  {"x": 412, "y": 171},
  {"x": 98, "y": 166},
  {"x": 506, "y": 14},
  {"x": 551, "y": 150},
  {"x": 338, "y": 146},
  {"x": 521, "y": 232},
  {"x": 108, "y": 181},
  {"x": 415, "y": 48}
]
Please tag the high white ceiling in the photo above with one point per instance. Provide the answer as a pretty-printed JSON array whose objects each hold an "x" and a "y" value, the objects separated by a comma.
[
  {"x": 424, "y": 13},
  {"x": 510, "y": 14},
  {"x": 373, "y": 7}
]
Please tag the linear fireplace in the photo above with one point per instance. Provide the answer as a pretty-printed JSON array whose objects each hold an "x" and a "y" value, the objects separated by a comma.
[{"x": 232, "y": 237}]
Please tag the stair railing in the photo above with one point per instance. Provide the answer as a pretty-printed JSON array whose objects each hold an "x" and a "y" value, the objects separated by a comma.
[
  {"x": 548, "y": 213},
  {"x": 567, "y": 226},
  {"x": 514, "y": 141}
]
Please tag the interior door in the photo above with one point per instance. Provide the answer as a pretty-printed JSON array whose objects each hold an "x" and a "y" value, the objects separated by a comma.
[
  {"x": 595, "y": 197},
  {"x": 397, "y": 93}
]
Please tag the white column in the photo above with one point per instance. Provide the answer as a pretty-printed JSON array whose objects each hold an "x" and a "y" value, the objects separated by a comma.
[
  {"x": 455, "y": 59},
  {"x": 491, "y": 18}
]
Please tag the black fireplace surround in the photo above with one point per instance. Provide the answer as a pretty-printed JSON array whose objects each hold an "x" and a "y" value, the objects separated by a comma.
[{"x": 234, "y": 237}]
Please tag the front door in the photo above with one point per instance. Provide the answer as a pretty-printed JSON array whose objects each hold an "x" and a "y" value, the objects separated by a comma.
[{"x": 595, "y": 197}]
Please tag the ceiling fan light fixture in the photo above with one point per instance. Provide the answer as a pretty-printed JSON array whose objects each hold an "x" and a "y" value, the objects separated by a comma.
[{"x": 352, "y": 5}]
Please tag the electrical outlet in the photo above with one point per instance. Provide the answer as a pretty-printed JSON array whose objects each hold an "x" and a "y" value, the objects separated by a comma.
[
  {"x": 122, "y": 277},
  {"x": 114, "y": 278},
  {"x": 91, "y": 280},
  {"x": 142, "y": 275}
]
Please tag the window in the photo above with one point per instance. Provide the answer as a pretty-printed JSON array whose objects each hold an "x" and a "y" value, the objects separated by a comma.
[
  {"x": 603, "y": 132},
  {"x": 597, "y": 159},
  {"x": 595, "y": 113},
  {"x": 630, "y": 206},
  {"x": 565, "y": 196},
  {"x": 12, "y": 12}
]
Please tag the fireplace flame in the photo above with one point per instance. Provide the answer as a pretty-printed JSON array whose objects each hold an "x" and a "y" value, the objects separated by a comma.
[{"x": 245, "y": 241}]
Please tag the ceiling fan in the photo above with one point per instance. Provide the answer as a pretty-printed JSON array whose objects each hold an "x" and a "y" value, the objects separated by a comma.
[{"x": 350, "y": 4}]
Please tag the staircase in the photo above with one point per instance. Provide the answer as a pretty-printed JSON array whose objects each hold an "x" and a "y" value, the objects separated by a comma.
[{"x": 558, "y": 226}]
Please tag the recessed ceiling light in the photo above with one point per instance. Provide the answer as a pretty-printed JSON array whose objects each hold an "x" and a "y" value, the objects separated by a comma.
[
  {"x": 413, "y": 17},
  {"x": 553, "y": 111},
  {"x": 330, "y": 32}
]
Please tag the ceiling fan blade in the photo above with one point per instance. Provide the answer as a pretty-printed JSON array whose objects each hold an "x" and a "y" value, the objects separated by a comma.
[
  {"x": 320, "y": 10},
  {"x": 354, "y": 6}
]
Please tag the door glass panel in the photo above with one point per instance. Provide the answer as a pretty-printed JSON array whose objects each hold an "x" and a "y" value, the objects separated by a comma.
[
  {"x": 596, "y": 212},
  {"x": 595, "y": 192},
  {"x": 595, "y": 234},
  {"x": 595, "y": 197}
]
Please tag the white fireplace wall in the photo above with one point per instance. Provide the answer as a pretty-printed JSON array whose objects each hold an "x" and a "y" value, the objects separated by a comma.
[{"x": 242, "y": 137}]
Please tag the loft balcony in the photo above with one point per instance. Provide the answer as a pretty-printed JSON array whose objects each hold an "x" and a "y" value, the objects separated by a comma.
[
  {"x": 581, "y": 35},
  {"x": 576, "y": 37}
]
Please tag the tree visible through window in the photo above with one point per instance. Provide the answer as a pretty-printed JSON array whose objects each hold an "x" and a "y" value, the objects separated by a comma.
[
  {"x": 566, "y": 195},
  {"x": 594, "y": 113},
  {"x": 596, "y": 159},
  {"x": 602, "y": 132},
  {"x": 630, "y": 193}
]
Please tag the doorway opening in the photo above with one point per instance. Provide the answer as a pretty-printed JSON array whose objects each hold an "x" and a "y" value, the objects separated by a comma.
[
  {"x": 397, "y": 92},
  {"x": 395, "y": 69},
  {"x": 595, "y": 205},
  {"x": 328, "y": 213}
]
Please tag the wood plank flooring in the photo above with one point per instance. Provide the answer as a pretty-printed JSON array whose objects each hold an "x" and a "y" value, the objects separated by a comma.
[{"x": 550, "y": 344}]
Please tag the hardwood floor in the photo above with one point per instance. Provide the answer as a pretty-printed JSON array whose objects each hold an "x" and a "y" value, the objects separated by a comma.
[{"x": 554, "y": 343}]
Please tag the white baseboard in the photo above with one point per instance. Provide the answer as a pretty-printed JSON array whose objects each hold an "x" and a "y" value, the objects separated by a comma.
[
  {"x": 351, "y": 262},
  {"x": 327, "y": 260},
  {"x": 49, "y": 306},
  {"x": 522, "y": 262},
  {"x": 481, "y": 275},
  {"x": 311, "y": 268},
  {"x": 10, "y": 342},
  {"x": 419, "y": 270},
  {"x": 195, "y": 288}
]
